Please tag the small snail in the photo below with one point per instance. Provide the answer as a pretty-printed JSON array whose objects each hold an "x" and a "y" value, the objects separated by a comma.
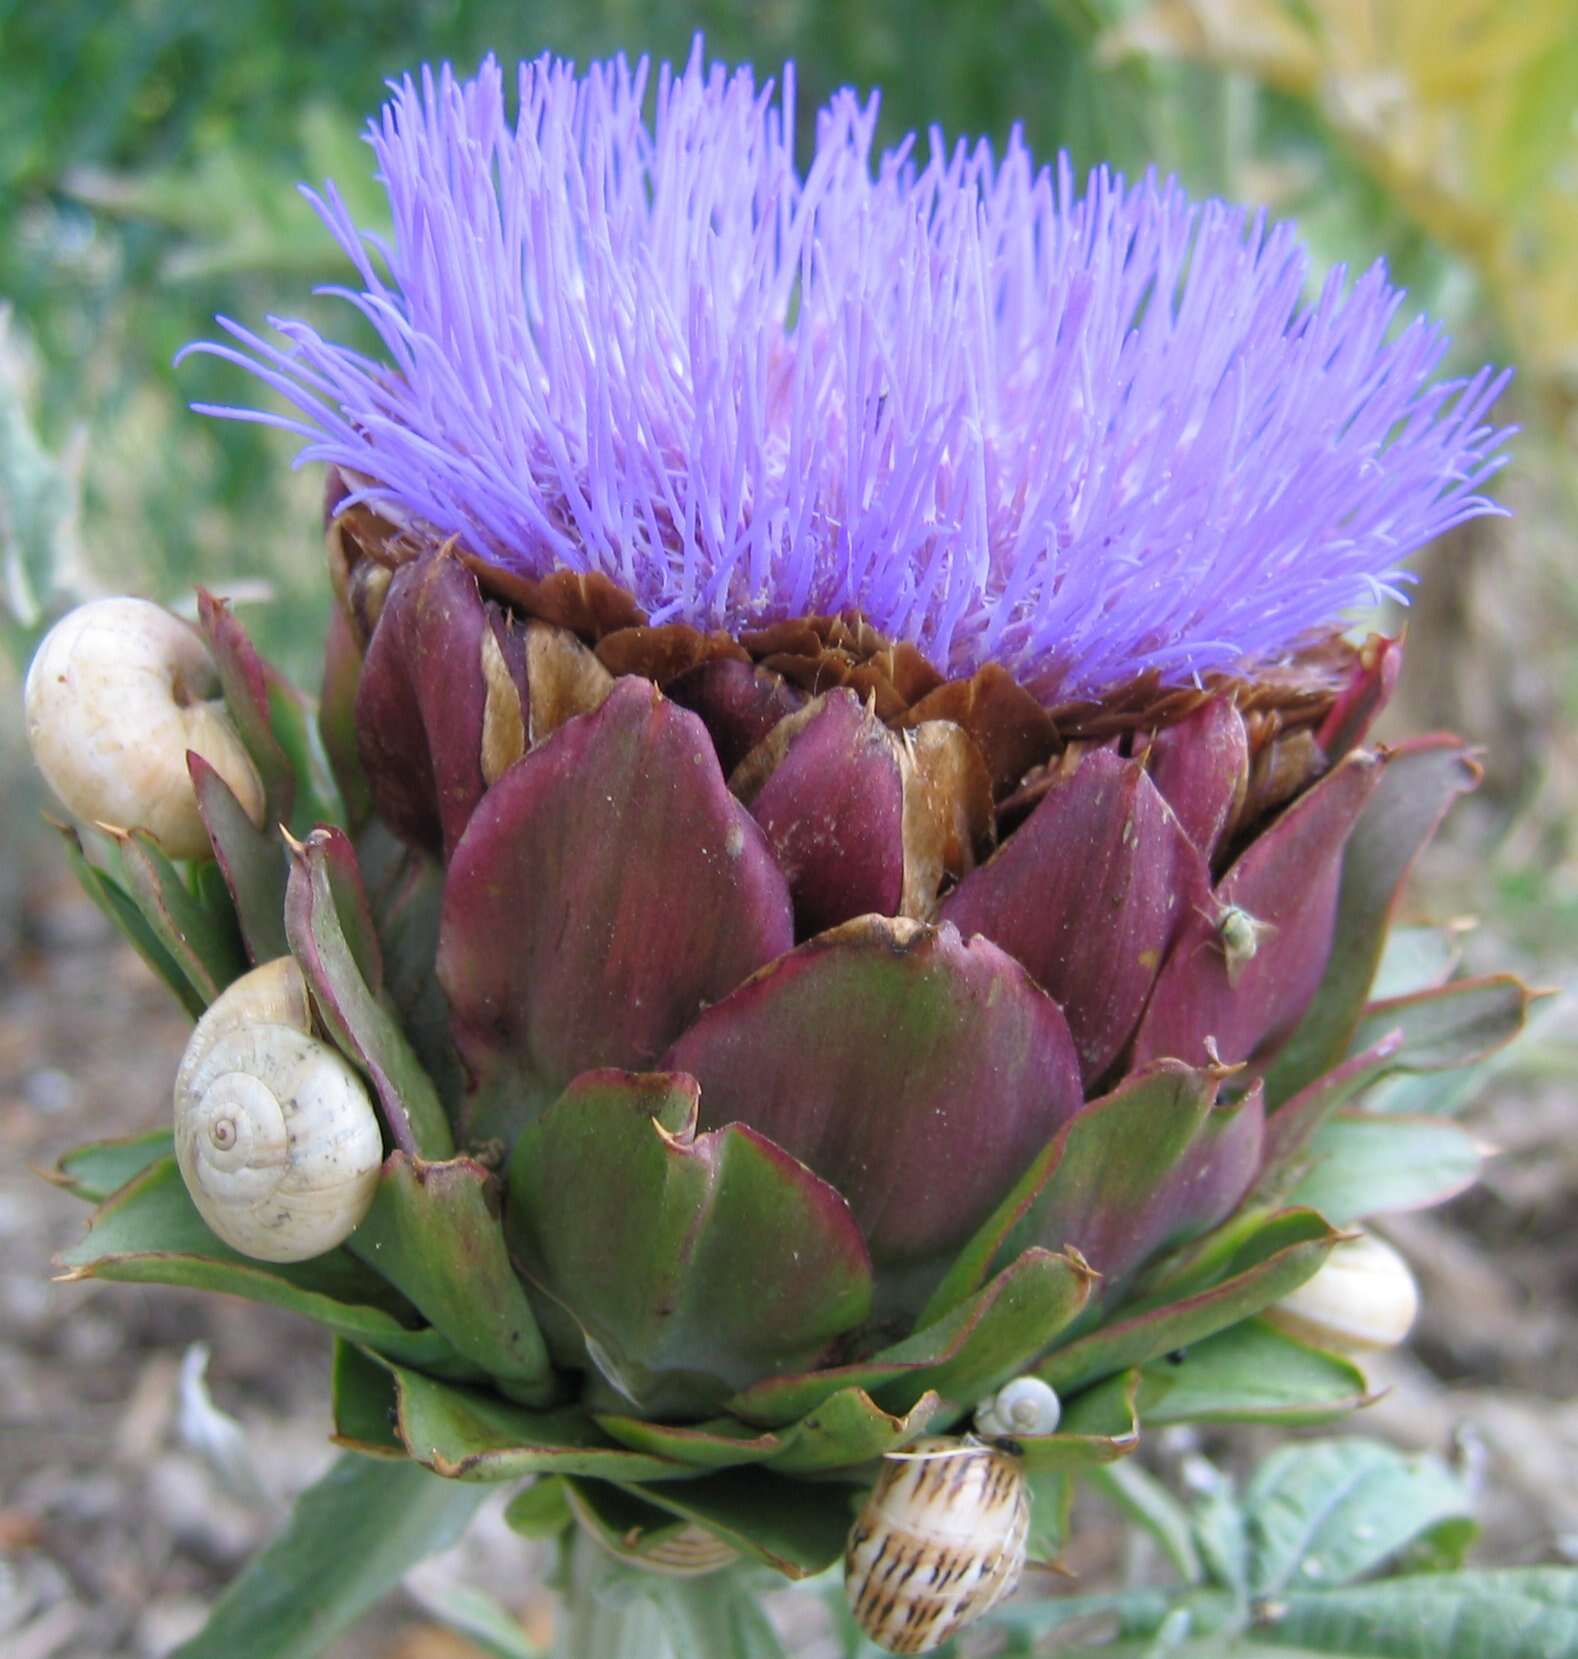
[
  {"x": 117, "y": 694},
  {"x": 1027, "y": 1405},
  {"x": 1362, "y": 1297},
  {"x": 277, "y": 1139},
  {"x": 940, "y": 1541}
]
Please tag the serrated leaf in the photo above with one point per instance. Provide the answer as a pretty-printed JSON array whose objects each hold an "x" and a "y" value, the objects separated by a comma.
[
  {"x": 1518, "y": 1613},
  {"x": 351, "y": 1539},
  {"x": 1334, "y": 1511}
]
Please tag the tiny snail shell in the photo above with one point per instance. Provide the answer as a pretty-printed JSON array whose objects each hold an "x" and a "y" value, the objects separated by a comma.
[
  {"x": 940, "y": 1541},
  {"x": 1361, "y": 1298},
  {"x": 1027, "y": 1405},
  {"x": 116, "y": 695},
  {"x": 277, "y": 1139}
]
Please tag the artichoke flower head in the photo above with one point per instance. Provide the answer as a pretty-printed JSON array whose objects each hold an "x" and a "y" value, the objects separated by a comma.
[{"x": 857, "y": 875}]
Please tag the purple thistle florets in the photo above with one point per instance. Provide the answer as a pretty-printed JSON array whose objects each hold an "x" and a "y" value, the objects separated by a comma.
[{"x": 1083, "y": 435}]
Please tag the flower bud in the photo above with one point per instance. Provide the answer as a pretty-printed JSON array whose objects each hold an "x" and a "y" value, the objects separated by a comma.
[
  {"x": 117, "y": 694},
  {"x": 1362, "y": 1297}
]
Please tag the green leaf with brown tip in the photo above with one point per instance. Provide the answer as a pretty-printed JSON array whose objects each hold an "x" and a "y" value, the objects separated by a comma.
[
  {"x": 362, "y": 1402},
  {"x": 150, "y": 1233},
  {"x": 361, "y": 1026},
  {"x": 1363, "y": 1163},
  {"x": 1249, "y": 1373},
  {"x": 1269, "y": 1264},
  {"x": 473, "y": 1434},
  {"x": 1419, "y": 782},
  {"x": 850, "y": 1429},
  {"x": 99, "y": 1168},
  {"x": 693, "y": 1263},
  {"x": 986, "y": 1339},
  {"x": 1451, "y": 1026},
  {"x": 433, "y": 1232}
]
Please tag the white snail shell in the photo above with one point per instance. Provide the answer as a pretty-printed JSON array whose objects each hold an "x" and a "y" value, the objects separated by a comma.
[
  {"x": 117, "y": 693},
  {"x": 940, "y": 1541},
  {"x": 1361, "y": 1298},
  {"x": 1027, "y": 1405},
  {"x": 276, "y": 1136}
]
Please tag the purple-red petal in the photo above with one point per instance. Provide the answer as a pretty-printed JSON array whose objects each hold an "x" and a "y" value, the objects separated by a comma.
[
  {"x": 1087, "y": 893},
  {"x": 1283, "y": 891},
  {"x": 607, "y": 889},
  {"x": 916, "y": 1073}
]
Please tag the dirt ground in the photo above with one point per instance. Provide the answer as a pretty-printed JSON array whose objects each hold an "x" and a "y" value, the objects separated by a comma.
[{"x": 115, "y": 1537}]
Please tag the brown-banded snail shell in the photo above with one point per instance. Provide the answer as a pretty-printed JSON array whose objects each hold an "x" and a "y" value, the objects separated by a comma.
[
  {"x": 116, "y": 695},
  {"x": 940, "y": 1541},
  {"x": 276, "y": 1136}
]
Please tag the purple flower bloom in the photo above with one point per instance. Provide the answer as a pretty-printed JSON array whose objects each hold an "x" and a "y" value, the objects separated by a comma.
[{"x": 1081, "y": 434}]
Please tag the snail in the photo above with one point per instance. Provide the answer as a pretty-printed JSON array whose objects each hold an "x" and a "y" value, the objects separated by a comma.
[
  {"x": 1027, "y": 1405},
  {"x": 117, "y": 694},
  {"x": 1362, "y": 1297},
  {"x": 276, "y": 1136},
  {"x": 940, "y": 1541}
]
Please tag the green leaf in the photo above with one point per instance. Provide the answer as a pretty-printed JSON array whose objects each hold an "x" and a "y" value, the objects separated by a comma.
[
  {"x": 1420, "y": 781},
  {"x": 474, "y": 1435},
  {"x": 851, "y": 1428},
  {"x": 150, "y": 1233},
  {"x": 350, "y": 1540},
  {"x": 433, "y": 1232},
  {"x": 1148, "y": 1503},
  {"x": 1249, "y": 1373},
  {"x": 1361, "y": 1164},
  {"x": 1456, "y": 1025},
  {"x": 1333, "y": 1511},
  {"x": 251, "y": 861},
  {"x": 202, "y": 938},
  {"x": 362, "y": 1403},
  {"x": 359, "y": 1024},
  {"x": 981, "y": 1342},
  {"x": 1265, "y": 1267},
  {"x": 127, "y": 917},
  {"x": 693, "y": 1263},
  {"x": 539, "y": 1510},
  {"x": 99, "y": 1168},
  {"x": 1518, "y": 1613},
  {"x": 1415, "y": 959}
]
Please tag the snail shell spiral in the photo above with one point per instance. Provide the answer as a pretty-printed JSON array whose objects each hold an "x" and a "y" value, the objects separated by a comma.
[
  {"x": 1025, "y": 1406},
  {"x": 940, "y": 1541},
  {"x": 276, "y": 1137}
]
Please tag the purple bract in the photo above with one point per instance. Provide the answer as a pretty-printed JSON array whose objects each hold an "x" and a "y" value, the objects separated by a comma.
[{"x": 1080, "y": 434}]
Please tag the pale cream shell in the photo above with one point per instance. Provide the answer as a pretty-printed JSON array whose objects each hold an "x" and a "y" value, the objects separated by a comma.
[
  {"x": 940, "y": 1541},
  {"x": 1362, "y": 1298},
  {"x": 276, "y": 1136},
  {"x": 116, "y": 695}
]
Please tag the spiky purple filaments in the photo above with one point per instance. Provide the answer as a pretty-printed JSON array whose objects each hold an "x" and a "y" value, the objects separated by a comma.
[{"x": 1082, "y": 435}]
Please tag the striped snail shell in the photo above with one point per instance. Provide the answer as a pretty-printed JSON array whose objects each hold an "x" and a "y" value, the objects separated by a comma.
[
  {"x": 940, "y": 1541},
  {"x": 276, "y": 1137},
  {"x": 1027, "y": 1405}
]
